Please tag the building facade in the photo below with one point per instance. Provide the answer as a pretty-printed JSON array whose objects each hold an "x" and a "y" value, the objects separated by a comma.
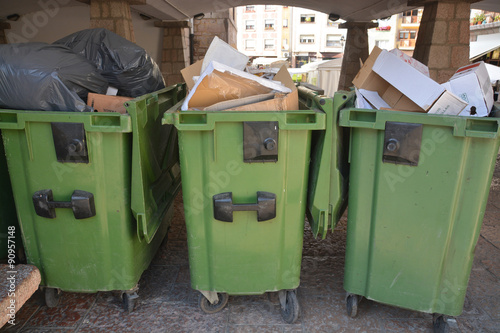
[
  {"x": 259, "y": 30},
  {"x": 300, "y": 35},
  {"x": 398, "y": 31}
]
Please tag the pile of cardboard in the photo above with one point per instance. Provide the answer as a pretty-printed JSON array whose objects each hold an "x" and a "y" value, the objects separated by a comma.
[
  {"x": 395, "y": 81},
  {"x": 219, "y": 82}
]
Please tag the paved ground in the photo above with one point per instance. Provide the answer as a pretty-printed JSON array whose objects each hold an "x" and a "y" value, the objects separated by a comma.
[{"x": 167, "y": 303}]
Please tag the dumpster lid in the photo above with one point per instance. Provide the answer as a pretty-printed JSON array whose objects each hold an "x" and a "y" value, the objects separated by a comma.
[
  {"x": 155, "y": 162},
  {"x": 329, "y": 170}
]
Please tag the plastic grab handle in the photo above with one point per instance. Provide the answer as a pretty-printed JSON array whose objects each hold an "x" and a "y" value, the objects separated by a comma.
[
  {"x": 224, "y": 207},
  {"x": 81, "y": 202}
]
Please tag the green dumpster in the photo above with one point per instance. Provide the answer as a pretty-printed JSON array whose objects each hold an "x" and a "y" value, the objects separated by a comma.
[
  {"x": 419, "y": 184},
  {"x": 244, "y": 184},
  {"x": 94, "y": 191},
  {"x": 10, "y": 235}
]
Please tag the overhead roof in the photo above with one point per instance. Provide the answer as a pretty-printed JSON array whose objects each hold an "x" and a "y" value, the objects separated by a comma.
[
  {"x": 349, "y": 10},
  {"x": 483, "y": 45}
]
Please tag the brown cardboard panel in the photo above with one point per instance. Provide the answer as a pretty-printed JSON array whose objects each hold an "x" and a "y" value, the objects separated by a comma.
[
  {"x": 222, "y": 86},
  {"x": 281, "y": 102},
  {"x": 107, "y": 103},
  {"x": 190, "y": 71}
]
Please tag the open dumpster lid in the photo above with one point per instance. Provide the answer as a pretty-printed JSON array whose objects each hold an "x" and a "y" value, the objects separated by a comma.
[
  {"x": 155, "y": 161},
  {"x": 329, "y": 170}
]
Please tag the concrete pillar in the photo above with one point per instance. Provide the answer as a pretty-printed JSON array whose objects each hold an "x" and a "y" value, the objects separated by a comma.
[
  {"x": 443, "y": 37},
  {"x": 175, "y": 50},
  {"x": 356, "y": 49},
  {"x": 220, "y": 24},
  {"x": 3, "y": 27},
  {"x": 113, "y": 15}
]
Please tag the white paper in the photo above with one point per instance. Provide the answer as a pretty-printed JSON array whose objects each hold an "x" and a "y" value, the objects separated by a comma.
[
  {"x": 276, "y": 86},
  {"x": 374, "y": 98},
  {"x": 361, "y": 102},
  {"x": 224, "y": 53},
  {"x": 112, "y": 91}
]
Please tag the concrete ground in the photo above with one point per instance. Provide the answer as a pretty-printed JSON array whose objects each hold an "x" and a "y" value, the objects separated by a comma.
[{"x": 168, "y": 304}]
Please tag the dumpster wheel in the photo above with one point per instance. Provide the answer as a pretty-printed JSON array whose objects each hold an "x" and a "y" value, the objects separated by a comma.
[
  {"x": 440, "y": 324},
  {"x": 351, "y": 305},
  {"x": 52, "y": 297},
  {"x": 290, "y": 309},
  {"x": 129, "y": 300},
  {"x": 210, "y": 308}
]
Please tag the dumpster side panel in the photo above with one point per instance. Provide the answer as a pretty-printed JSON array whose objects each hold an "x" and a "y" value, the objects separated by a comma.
[
  {"x": 84, "y": 255},
  {"x": 412, "y": 230},
  {"x": 8, "y": 216},
  {"x": 244, "y": 256}
]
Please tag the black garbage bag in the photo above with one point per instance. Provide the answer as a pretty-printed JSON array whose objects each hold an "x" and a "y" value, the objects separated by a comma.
[
  {"x": 40, "y": 76},
  {"x": 124, "y": 64}
]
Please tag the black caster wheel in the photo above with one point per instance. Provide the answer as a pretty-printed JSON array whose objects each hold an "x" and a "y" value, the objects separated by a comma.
[
  {"x": 351, "y": 305},
  {"x": 52, "y": 297},
  {"x": 290, "y": 310},
  {"x": 128, "y": 301},
  {"x": 210, "y": 308},
  {"x": 440, "y": 324}
]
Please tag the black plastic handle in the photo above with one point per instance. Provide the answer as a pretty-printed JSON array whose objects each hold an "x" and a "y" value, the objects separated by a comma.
[
  {"x": 224, "y": 207},
  {"x": 82, "y": 203}
]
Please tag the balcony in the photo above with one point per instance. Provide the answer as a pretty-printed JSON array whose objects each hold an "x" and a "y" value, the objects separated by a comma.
[{"x": 410, "y": 20}]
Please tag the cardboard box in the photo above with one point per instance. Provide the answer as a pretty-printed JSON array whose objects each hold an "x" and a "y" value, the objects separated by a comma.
[
  {"x": 107, "y": 103},
  {"x": 449, "y": 104},
  {"x": 410, "y": 61},
  {"x": 472, "y": 84},
  {"x": 220, "y": 83},
  {"x": 401, "y": 86}
]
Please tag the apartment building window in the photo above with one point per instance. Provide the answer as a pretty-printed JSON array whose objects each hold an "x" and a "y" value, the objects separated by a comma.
[
  {"x": 269, "y": 24},
  {"x": 250, "y": 25},
  {"x": 332, "y": 24},
  {"x": 268, "y": 44},
  {"x": 285, "y": 43},
  {"x": 250, "y": 44},
  {"x": 250, "y": 9},
  {"x": 307, "y": 18},
  {"x": 333, "y": 40},
  {"x": 407, "y": 38},
  {"x": 408, "y": 34},
  {"x": 269, "y": 7},
  {"x": 285, "y": 23},
  {"x": 306, "y": 39}
]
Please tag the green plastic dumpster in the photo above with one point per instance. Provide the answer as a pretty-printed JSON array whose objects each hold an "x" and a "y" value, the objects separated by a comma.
[
  {"x": 94, "y": 191},
  {"x": 10, "y": 235},
  {"x": 244, "y": 182},
  {"x": 419, "y": 184}
]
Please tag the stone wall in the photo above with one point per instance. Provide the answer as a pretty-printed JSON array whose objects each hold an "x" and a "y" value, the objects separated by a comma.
[
  {"x": 113, "y": 15},
  {"x": 175, "y": 50},
  {"x": 443, "y": 38},
  {"x": 220, "y": 24}
]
